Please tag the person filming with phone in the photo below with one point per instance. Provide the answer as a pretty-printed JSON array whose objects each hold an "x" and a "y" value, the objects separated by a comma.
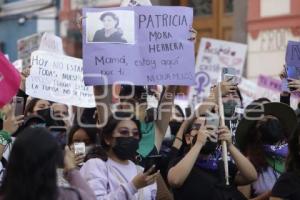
[
  {"x": 199, "y": 173},
  {"x": 116, "y": 176}
]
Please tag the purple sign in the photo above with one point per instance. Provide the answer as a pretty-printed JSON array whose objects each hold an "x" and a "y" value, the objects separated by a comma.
[
  {"x": 144, "y": 45},
  {"x": 292, "y": 57}
]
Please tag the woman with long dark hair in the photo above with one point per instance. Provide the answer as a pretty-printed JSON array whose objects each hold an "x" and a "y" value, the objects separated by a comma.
[
  {"x": 31, "y": 170},
  {"x": 116, "y": 176},
  {"x": 262, "y": 136},
  {"x": 288, "y": 184}
]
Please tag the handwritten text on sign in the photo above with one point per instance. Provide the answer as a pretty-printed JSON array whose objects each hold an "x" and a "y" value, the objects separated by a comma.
[
  {"x": 160, "y": 53},
  {"x": 213, "y": 57},
  {"x": 58, "y": 78}
]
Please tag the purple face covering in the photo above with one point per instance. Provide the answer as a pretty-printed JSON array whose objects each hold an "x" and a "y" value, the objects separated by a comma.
[
  {"x": 211, "y": 163},
  {"x": 277, "y": 150}
]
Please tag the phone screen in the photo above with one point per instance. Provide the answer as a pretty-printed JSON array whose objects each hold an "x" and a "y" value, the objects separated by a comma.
[{"x": 79, "y": 148}]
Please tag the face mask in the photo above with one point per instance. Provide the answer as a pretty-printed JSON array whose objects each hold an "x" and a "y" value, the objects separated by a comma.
[
  {"x": 56, "y": 125},
  {"x": 229, "y": 108},
  {"x": 125, "y": 147},
  {"x": 209, "y": 146},
  {"x": 45, "y": 113},
  {"x": 271, "y": 132},
  {"x": 174, "y": 126}
]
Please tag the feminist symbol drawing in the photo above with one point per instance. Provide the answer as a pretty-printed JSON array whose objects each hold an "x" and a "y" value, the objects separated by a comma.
[{"x": 202, "y": 80}]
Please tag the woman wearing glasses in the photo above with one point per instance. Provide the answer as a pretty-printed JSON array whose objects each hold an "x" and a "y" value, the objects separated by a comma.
[{"x": 117, "y": 177}]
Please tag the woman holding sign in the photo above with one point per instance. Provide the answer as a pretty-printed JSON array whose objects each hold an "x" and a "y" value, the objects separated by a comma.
[{"x": 110, "y": 31}]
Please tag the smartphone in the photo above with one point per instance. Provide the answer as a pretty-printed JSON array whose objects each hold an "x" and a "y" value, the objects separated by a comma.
[
  {"x": 229, "y": 75},
  {"x": 79, "y": 148},
  {"x": 152, "y": 160},
  {"x": 18, "y": 105},
  {"x": 234, "y": 80},
  {"x": 212, "y": 120}
]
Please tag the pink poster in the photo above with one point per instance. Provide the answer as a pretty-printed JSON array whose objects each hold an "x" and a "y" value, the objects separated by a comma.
[{"x": 9, "y": 80}]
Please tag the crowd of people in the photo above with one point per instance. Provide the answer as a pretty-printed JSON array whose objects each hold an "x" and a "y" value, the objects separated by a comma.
[
  {"x": 134, "y": 151},
  {"x": 127, "y": 154}
]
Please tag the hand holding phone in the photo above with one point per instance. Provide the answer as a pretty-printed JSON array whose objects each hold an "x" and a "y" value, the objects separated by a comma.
[
  {"x": 18, "y": 105},
  {"x": 153, "y": 160}
]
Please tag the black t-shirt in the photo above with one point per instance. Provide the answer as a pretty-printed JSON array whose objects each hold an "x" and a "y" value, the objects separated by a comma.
[
  {"x": 287, "y": 186},
  {"x": 207, "y": 184}
]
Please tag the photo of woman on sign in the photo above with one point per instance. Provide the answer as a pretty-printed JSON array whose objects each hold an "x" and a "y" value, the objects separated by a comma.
[{"x": 110, "y": 31}]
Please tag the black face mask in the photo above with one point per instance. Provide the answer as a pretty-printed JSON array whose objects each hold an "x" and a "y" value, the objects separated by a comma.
[
  {"x": 125, "y": 147},
  {"x": 45, "y": 114},
  {"x": 174, "y": 126},
  {"x": 271, "y": 132},
  {"x": 229, "y": 108},
  {"x": 55, "y": 125},
  {"x": 209, "y": 146}
]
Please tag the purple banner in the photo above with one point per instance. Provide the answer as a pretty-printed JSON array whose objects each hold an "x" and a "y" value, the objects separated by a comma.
[
  {"x": 292, "y": 57},
  {"x": 138, "y": 45}
]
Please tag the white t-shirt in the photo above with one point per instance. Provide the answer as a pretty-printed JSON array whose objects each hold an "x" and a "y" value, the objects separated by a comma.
[{"x": 112, "y": 180}]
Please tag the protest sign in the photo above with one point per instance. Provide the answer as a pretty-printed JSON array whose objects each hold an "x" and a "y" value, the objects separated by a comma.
[
  {"x": 26, "y": 46},
  {"x": 9, "y": 80},
  {"x": 292, "y": 56},
  {"x": 58, "y": 78},
  {"x": 149, "y": 47},
  {"x": 265, "y": 86},
  {"x": 213, "y": 57},
  {"x": 51, "y": 43},
  {"x": 274, "y": 87}
]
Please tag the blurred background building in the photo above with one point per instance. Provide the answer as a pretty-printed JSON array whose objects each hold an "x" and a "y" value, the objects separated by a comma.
[
  {"x": 270, "y": 24},
  {"x": 20, "y": 18}
]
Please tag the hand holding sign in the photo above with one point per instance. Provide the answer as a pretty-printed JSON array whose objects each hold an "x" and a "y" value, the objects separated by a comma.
[{"x": 294, "y": 85}]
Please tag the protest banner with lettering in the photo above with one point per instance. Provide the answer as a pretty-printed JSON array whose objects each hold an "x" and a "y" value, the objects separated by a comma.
[
  {"x": 9, "y": 80},
  {"x": 213, "y": 57},
  {"x": 273, "y": 89},
  {"x": 26, "y": 46},
  {"x": 149, "y": 46},
  {"x": 58, "y": 78}
]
